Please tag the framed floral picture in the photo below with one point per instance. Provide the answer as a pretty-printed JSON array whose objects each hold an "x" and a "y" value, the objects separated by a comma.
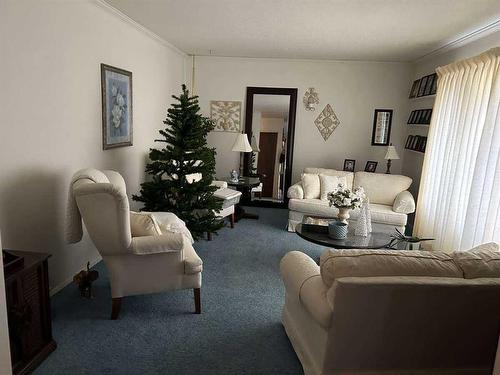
[{"x": 116, "y": 91}]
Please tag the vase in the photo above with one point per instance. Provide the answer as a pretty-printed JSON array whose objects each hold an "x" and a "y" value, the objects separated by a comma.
[
  {"x": 343, "y": 214},
  {"x": 337, "y": 230}
]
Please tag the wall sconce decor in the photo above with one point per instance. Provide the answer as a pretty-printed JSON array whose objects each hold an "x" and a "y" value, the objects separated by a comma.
[{"x": 310, "y": 99}]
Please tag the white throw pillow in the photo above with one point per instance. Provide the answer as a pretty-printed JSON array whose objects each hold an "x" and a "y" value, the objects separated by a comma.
[
  {"x": 311, "y": 186},
  {"x": 329, "y": 183},
  {"x": 143, "y": 224}
]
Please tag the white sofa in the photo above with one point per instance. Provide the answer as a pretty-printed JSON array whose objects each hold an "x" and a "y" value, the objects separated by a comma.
[
  {"x": 390, "y": 200},
  {"x": 393, "y": 312}
]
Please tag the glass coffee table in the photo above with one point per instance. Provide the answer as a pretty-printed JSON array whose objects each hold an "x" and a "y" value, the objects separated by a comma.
[{"x": 374, "y": 240}]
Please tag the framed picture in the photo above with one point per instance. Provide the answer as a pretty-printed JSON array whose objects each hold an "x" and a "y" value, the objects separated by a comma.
[
  {"x": 409, "y": 140},
  {"x": 414, "y": 89},
  {"x": 381, "y": 133},
  {"x": 412, "y": 116},
  {"x": 349, "y": 165},
  {"x": 428, "y": 116},
  {"x": 423, "y": 144},
  {"x": 434, "y": 84},
  {"x": 371, "y": 166},
  {"x": 414, "y": 143},
  {"x": 116, "y": 93},
  {"x": 430, "y": 82},
  {"x": 227, "y": 115},
  {"x": 421, "y": 87},
  {"x": 417, "y": 117}
]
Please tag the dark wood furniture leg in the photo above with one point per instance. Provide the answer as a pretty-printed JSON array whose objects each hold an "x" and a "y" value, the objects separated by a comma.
[
  {"x": 240, "y": 213},
  {"x": 197, "y": 300},
  {"x": 231, "y": 219},
  {"x": 116, "y": 307},
  {"x": 209, "y": 236}
]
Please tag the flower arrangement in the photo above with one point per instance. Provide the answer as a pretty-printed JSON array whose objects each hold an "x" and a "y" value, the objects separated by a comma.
[
  {"x": 119, "y": 107},
  {"x": 343, "y": 197}
]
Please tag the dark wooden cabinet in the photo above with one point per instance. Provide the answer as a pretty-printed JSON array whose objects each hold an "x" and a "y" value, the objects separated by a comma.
[{"x": 28, "y": 309}]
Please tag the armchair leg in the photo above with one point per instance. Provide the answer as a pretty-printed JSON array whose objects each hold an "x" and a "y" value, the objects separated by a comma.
[
  {"x": 232, "y": 220},
  {"x": 209, "y": 236},
  {"x": 197, "y": 300},
  {"x": 116, "y": 307}
]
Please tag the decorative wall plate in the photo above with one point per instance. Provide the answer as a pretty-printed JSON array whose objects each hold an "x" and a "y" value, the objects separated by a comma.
[
  {"x": 227, "y": 115},
  {"x": 327, "y": 122}
]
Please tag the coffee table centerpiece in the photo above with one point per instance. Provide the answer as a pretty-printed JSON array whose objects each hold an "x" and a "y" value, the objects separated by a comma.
[{"x": 345, "y": 200}]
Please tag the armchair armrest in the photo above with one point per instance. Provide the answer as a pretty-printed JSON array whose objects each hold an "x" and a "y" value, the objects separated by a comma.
[
  {"x": 295, "y": 269},
  {"x": 296, "y": 191},
  {"x": 165, "y": 243},
  {"x": 192, "y": 262},
  {"x": 404, "y": 203}
]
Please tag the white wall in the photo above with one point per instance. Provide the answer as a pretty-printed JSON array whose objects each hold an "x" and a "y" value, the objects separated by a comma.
[
  {"x": 353, "y": 89},
  {"x": 50, "y": 115}
]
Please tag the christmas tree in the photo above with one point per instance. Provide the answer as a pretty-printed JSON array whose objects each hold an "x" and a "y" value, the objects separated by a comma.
[{"x": 182, "y": 172}]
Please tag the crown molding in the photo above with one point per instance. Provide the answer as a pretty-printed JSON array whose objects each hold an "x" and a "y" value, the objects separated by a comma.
[
  {"x": 112, "y": 10},
  {"x": 463, "y": 40}
]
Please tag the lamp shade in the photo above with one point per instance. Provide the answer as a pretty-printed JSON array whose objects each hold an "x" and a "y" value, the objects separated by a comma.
[
  {"x": 391, "y": 153},
  {"x": 241, "y": 144},
  {"x": 254, "y": 145}
]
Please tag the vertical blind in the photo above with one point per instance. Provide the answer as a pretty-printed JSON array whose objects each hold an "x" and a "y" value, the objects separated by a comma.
[{"x": 459, "y": 197}]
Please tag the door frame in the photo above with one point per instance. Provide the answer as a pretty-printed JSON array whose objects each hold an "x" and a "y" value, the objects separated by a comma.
[{"x": 292, "y": 92}]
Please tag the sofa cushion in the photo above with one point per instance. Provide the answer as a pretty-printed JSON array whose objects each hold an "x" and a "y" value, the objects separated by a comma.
[
  {"x": 379, "y": 213},
  {"x": 311, "y": 185},
  {"x": 329, "y": 183},
  {"x": 480, "y": 261},
  {"x": 335, "y": 264},
  {"x": 143, "y": 224},
  {"x": 382, "y": 188},
  {"x": 333, "y": 172}
]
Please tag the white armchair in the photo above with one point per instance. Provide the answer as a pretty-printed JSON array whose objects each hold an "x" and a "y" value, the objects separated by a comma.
[{"x": 136, "y": 265}]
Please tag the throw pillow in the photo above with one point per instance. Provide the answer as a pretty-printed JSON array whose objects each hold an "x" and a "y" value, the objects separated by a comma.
[
  {"x": 329, "y": 183},
  {"x": 311, "y": 186},
  {"x": 143, "y": 224}
]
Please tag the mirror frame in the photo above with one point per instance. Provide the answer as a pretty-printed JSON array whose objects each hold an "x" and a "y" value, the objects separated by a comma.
[{"x": 292, "y": 92}]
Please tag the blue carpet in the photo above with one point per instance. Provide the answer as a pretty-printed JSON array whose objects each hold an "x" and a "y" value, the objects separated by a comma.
[{"x": 238, "y": 332}]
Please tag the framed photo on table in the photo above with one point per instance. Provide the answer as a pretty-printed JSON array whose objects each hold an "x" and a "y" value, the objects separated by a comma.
[
  {"x": 349, "y": 165},
  {"x": 116, "y": 96},
  {"x": 371, "y": 166}
]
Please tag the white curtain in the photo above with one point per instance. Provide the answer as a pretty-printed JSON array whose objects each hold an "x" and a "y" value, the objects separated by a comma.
[{"x": 459, "y": 197}]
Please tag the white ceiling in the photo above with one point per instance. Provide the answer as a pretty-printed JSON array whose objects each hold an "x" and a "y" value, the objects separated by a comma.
[{"x": 374, "y": 30}]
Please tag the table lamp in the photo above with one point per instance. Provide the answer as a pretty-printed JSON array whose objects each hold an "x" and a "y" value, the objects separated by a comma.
[
  {"x": 391, "y": 154},
  {"x": 241, "y": 145}
]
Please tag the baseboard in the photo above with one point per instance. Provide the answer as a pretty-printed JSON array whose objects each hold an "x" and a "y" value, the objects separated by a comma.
[{"x": 69, "y": 280}]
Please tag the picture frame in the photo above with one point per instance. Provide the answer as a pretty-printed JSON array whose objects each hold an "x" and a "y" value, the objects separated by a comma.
[
  {"x": 349, "y": 165},
  {"x": 428, "y": 86},
  {"x": 117, "y": 107},
  {"x": 414, "y": 142},
  {"x": 418, "y": 116},
  {"x": 382, "y": 122},
  {"x": 411, "y": 117},
  {"x": 414, "y": 89},
  {"x": 434, "y": 85},
  {"x": 409, "y": 141},
  {"x": 371, "y": 166},
  {"x": 421, "y": 87}
]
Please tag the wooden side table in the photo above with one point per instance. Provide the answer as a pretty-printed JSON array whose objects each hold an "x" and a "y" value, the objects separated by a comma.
[
  {"x": 28, "y": 309},
  {"x": 245, "y": 185}
]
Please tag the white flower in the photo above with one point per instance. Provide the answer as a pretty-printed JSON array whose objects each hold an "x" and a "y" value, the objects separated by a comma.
[
  {"x": 120, "y": 100},
  {"x": 114, "y": 90},
  {"x": 116, "y": 113}
]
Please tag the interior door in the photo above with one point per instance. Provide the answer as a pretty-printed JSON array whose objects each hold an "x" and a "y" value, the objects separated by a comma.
[{"x": 266, "y": 164}]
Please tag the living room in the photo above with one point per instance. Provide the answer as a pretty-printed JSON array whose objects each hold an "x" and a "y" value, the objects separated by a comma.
[{"x": 368, "y": 88}]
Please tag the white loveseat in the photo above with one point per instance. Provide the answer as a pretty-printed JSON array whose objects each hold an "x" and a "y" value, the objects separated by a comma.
[
  {"x": 374, "y": 312},
  {"x": 390, "y": 200}
]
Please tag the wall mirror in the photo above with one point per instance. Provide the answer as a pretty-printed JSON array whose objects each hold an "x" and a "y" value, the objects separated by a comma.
[
  {"x": 381, "y": 133},
  {"x": 270, "y": 126}
]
